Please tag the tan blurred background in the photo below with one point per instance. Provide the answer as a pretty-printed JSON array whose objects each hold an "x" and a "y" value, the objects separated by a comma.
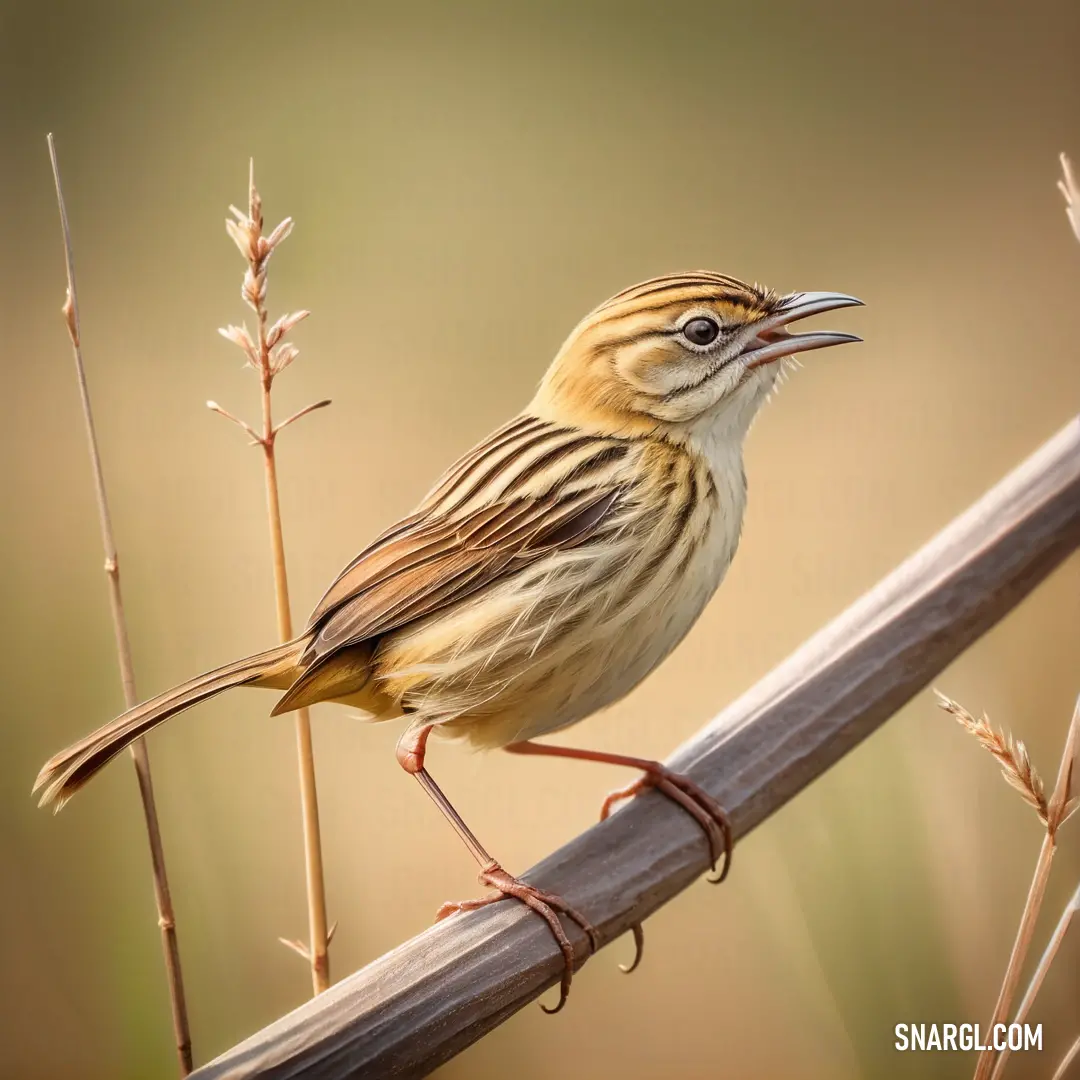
[{"x": 467, "y": 180}]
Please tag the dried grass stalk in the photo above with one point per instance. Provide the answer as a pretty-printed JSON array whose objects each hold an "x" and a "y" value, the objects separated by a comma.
[
  {"x": 268, "y": 354},
  {"x": 1012, "y": 755},
  {"x": 1067, "y": 1060},
  {"x": 1051, "y": 950},
  {"x": 1068, "y": 187},
  {"x": 139, "y": 755},
  {"x": 1053, "y": 812}
]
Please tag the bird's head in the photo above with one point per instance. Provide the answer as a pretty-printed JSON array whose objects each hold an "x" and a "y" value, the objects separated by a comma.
[{"x": 679, "y": 352}]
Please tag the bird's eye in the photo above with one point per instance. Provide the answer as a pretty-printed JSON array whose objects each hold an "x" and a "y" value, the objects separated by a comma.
[{"x": 701, "y": 331}]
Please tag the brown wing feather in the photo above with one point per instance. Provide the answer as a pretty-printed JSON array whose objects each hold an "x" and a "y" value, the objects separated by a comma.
[
  {"x": 405, "y": 544},
  {"x": 432, "y": 563}
]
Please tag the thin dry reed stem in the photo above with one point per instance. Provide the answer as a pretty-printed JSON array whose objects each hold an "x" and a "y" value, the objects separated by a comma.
[
  {"x": 1067, "y": 1060},
  {"x": 1054, "y": 813},
  {"x": 1032, "y": 907},
  {"x": 1037, "y": 979},
  {"x": 1068, "y": 187},
  {"x": 269, "y": 354},
  {"x": 166, "y": 918}
]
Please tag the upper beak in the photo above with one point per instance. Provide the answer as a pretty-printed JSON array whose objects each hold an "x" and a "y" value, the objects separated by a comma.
[{"x": 771, "y": 339}]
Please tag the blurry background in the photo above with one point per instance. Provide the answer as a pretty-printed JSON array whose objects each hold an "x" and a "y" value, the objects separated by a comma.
[{"x": 467, "y": 181}]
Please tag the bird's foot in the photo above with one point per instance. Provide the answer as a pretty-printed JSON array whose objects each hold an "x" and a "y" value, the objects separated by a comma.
[
  {"x": 698, "y": 803},
  {"x": 547, "y": 905}
]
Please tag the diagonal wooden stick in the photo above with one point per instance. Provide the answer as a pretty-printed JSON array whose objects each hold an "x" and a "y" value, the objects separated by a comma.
[
  {"x": 417, "y": 1006},
  {"x": 166, "y": 918}
]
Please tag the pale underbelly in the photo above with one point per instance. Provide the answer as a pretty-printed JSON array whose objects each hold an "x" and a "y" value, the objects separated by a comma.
[
  {"x": 607, "y": 671},
  {"x": 589, "y": 667}
]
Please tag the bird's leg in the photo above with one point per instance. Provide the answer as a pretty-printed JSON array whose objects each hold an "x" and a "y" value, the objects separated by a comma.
[
  {"x": 411, "y": 751},
  {"x": 694, "y": 799}
]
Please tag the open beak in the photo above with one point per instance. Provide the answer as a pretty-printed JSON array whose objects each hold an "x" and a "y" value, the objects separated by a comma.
[{"x": 771, "y": 339}]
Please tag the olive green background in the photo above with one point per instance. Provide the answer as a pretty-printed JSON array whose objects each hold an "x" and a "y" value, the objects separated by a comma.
[{"x": 467, "y": 181}]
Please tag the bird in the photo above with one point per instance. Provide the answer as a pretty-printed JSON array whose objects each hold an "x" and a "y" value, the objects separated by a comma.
[{"x": 551, "y": 568}]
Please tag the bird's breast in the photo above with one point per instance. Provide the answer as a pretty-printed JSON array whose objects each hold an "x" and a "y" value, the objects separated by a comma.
[{"x": 576, "y": 631}]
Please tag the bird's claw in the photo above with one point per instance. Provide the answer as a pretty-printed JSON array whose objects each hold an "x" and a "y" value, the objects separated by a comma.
[
  {"x": 639, "y": 948},
  {"x": 699, "y": 804},
  {"x": 547, "y": 905}
]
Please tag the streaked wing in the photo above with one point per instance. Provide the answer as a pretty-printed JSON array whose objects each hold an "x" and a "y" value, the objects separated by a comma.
[{"x": 529, "y": 489}]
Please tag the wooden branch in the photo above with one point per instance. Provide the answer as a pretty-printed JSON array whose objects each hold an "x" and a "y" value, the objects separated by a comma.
[{"x": 417, "y": 1006}]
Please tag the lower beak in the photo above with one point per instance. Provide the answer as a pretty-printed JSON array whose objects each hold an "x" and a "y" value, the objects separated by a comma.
[{"x": 771, "y": 340}]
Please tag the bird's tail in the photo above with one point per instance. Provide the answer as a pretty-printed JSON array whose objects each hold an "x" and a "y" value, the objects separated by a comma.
[{"x": 61, "y": 776}]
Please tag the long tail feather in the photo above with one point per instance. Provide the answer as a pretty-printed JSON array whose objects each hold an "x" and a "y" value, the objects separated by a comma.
[{"x": 62, "y": 775}]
